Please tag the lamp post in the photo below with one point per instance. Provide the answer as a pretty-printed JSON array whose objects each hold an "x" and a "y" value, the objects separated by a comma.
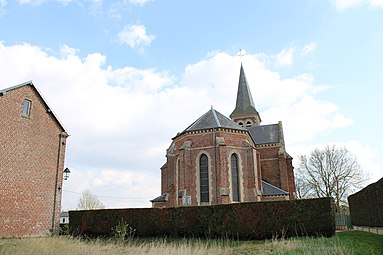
[{"x": 66, "y": 173}]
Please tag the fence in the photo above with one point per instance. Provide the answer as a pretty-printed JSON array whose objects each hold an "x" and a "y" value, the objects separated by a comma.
[{"x": 343, "y": 222}]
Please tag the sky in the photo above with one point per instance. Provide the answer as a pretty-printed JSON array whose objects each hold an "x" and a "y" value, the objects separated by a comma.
[{"x": 124, "y": 77}]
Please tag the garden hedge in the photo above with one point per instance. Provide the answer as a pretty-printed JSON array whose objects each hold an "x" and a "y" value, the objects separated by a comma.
[
  {"x": 259, "y": 220},
  {"x": 366, "y": 206}
]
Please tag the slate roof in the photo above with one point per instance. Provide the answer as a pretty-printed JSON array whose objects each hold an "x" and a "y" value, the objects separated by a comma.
[
  {"x": 265, "y": 134},
  {"x": 64, "y": 214},
  {"x": 244, "y": 105},
  {"x": 29, "y": 83},
  {"x": 271, "y": 190},
  {"x": 162, "y": 198},
  {"x": 213, "y": 119}
]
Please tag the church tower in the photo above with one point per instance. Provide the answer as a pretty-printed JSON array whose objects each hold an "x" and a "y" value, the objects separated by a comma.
[{"x": 245, "y": 113}]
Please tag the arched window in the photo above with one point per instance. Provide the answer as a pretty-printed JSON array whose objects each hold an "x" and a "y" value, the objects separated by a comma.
[
  {"x": 235, "y": 179},
  {"x": 204, "y": 179},
  {"x": 248, "y": 123},
  {"x": 240, "y": 123}
]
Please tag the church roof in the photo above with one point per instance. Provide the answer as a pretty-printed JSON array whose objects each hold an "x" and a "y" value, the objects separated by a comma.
[
  {"x": 271, "y": 190},
  {"x": 213, "y": 119},
  {"x": 162, "y": 198},
  {"x": 244, "y": 105},
  {"x": 265, "y": 134}
]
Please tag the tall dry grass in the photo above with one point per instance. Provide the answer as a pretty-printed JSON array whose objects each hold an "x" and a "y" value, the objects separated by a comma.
[
  {"x": 70, "y": 246},
  {"x": 304, "y": 245},
  {"x": 352, "y": 242}
]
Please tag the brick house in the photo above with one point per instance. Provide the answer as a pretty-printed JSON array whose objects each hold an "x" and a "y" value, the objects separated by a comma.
[
  {"x": 221, "y": 160},
  {"x": 32, "y": 152}
]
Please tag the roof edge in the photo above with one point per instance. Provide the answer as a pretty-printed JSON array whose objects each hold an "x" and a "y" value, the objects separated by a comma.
[
  {"x": 208, "y": 129},
  {"x": 30, "y": 83},
  {"x": 284, "y": 192}
]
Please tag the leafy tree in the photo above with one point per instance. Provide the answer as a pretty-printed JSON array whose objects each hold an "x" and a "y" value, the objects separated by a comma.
[
  {"x": 329, "y": 172},
  {"x": 88, "y": 201}
]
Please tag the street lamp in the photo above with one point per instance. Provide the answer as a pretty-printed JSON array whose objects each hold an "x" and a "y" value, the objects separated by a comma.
[{"x": 66, "y": 173}]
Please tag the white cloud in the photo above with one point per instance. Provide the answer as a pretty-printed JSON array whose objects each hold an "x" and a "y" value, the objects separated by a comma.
[
  {"x": 121, "y": 121},
  {"x": 309, "y": 48},
  {"x": 346, "y": 4},
  {"x": 37, "y": 2},
  {"x": 116, "y": 188},
  {"x": 285, "y": 57},
  {"x": 67, "y": 51},
  {"x": 376, "y": 3},
  {"x": 3, "y": 3},
  {"x": 29, "y": 1},
  {"x": 139, "y": 2},
  {"x": 135, "y": 36},
  {"x": 134, "y": 2},
  {"x": 342, "y": 5}
]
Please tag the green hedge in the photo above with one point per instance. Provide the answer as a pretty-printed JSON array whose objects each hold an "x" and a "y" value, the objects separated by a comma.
[
  {"x": 258, "y": 220},
  {"x": 366, "y": 206}
]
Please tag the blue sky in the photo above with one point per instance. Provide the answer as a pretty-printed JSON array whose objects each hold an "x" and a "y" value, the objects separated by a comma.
[{"x": 125, "y": 76}]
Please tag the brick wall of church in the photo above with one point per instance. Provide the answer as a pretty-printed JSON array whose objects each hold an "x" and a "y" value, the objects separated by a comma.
[
  {"x": 277, "y": 168},
  {"x": 270, "y": 165},
  {"x": 31, "y": 162},
  {"x": 290, "y": 176},
  {"x": 187, "y": 151}
]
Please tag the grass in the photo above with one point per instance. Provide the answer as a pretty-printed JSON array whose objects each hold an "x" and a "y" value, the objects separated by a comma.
[
  {"x": 361, "y": 242},
  {"x": 352, "y": 242},
  {"x": 69, "y": 246}
]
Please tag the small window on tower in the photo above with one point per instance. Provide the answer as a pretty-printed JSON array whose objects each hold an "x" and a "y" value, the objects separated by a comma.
[
  {"x": 248, "y": 124},
  {"x": 240, "y": 123},
  {"x": 26, "y": 107}
]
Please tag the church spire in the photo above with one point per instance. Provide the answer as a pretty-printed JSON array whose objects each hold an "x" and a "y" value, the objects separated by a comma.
[{"x": 245, "y": 113}]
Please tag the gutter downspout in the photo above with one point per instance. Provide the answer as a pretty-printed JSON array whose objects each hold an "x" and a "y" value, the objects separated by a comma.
[
  {"x": 215, "y": 166},
  {"x": 56, "y": 182},
  {"x": 215, "y": 153}
]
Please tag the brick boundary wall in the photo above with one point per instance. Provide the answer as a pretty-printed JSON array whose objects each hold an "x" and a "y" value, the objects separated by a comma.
[
  {"x": 257, "y": 220},
  {"x": 378, "y": 231}
]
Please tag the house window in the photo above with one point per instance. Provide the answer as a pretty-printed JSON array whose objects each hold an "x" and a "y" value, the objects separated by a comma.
[
  {"x": 235, "y": 178},
  {"x": 27, "y": 107},
  {"x": 248, "y": 124},
  {"x": 240, "y": 123},
  {"x": 204, "y": 179}
]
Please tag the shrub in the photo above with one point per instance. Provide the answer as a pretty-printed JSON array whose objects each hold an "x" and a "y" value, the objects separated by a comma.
[
  {"x": 257, "y": 220},
  {"x": 64, "y": 229},
  {"x": 366, "y": 205},
  {"x": 123, "y": 231}
]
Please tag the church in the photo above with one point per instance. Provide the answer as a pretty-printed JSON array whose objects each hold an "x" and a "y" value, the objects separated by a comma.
[{"x": 221, "y": 160}]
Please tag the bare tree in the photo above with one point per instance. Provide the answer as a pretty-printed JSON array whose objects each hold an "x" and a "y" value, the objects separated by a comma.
[
  {"x": 330, "y": 172},
  {"x": 88, "y": 201},
  {"x": 302, "y": 188}
]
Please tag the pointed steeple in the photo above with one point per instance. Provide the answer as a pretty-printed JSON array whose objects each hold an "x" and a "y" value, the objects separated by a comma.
[{"x": 245, "y": 113}]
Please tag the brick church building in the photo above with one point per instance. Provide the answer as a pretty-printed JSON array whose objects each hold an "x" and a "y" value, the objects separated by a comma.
[
  {"x": 32, "y": 152},
  {"x": 221, "y": 160}
]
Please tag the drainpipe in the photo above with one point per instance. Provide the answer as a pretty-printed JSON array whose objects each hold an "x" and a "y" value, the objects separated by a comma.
[
  {"x": 215, "y": 165},
  {"x": 56, "y": 183}
]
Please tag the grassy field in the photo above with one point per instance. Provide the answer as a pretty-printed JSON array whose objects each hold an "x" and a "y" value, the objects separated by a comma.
[{"x": 352, "y": 242}]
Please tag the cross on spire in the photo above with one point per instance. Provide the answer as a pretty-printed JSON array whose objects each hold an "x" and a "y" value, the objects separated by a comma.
[{"x": 241, "y": 53}]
